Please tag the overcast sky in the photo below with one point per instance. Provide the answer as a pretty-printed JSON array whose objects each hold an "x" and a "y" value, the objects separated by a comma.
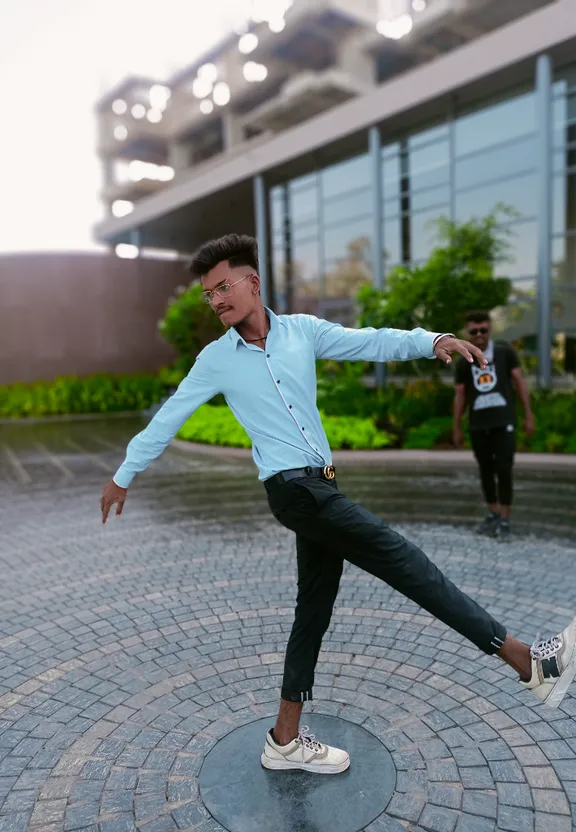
[{"x": 56, "y": 58}]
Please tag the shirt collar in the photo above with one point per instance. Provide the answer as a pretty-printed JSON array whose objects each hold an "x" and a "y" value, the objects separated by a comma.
[{"x": 275, "y": 322}]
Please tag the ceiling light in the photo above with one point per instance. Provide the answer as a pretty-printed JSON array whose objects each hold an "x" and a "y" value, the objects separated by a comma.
[
  {"x": 201, "y": 87},
  {"x": 122, "y": 207},
  {"x": 221, "y": 94},
  {"x": 165, "y": 173},
  {"x": 276, "y": 25},
  {"x": 138, "y": 110},
  {"x": 159, "y": 96},
  {"x": 137, "y": 170},
  {"x": 120, "y": 132},
  {"x": 254, "y": 72},
  {"x": 248, "y": 43},
  {"x": 126, "y": 251},
  {"x": 206, "y": 106},
  {"x": 396, "y": 28},
  {"x": 119, "y": 107},
  {"x": 154, "y": 116},
  {"x": 418, "y": 5},
  {"x": 209, "y": 72}
]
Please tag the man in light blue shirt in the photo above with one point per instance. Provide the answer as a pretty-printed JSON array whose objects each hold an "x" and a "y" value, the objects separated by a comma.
[{"x": 265, "y": 365}]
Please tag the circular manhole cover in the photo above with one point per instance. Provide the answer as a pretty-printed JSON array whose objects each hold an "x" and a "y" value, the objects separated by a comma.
[{"x": 244, "y": 797}]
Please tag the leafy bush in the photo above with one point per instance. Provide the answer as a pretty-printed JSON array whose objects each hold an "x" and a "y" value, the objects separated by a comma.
[
  {"x": 430, "y": 434},
  {"x": 189, "y": 325},
  {"x": 100, "y": 393},
  {"x": 218, "y": 426}
]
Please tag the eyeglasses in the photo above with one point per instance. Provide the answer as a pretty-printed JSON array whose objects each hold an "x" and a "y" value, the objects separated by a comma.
[
  {"x": 481, "y": 330},
  {"x": 222, "y": 290}
]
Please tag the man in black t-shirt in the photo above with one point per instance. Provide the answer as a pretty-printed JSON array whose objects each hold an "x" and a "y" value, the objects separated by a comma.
[{"x": 489, "y": 396}]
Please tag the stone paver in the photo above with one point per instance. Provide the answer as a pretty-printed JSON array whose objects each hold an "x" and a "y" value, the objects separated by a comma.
[{"x": 127, "y": 651}]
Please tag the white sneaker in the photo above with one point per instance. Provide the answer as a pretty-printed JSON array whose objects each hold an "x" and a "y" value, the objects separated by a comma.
[
  {"x": 304, "y": 753},
  {"x": 553, "y": 666}
]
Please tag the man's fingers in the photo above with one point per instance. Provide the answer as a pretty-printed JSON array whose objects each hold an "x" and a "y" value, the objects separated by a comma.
[
  {"x": 443, "y": 355},
  {"x": 478, "y": 354},
  {"x": 106, "y": 510},
  {"x": 119, "y": 507}
]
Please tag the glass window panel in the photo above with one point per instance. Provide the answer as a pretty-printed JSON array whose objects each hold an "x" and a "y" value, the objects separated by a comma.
[
  {"x": 428, "y": 166},
  {"x": 432, "y": 134},
  {"x": 564, "y": 119},
  {"x": 276, "y": 209},
  {"x": 343, "y": 277},
  {"x": 523, "y": 241},
  {"x": 423, "y": 232},
  {"x": 279, "y": 278},
  {"x": 495, "y": 124},
  {"x": 354, "y": 204},
  {"x": 516, "y": 321},
  {"x": 564, "y": 260},
  {"x": 497, "y": 162},
  {"x": 564, "y": 203},
  {"x": 346, "y": 176},
  {"x": 392, "y": 233},
  {"x": 305, "y": 263},
  {"x": 430, "y": 198},
  {"x": 309, "y": 180},
  {"x": 391, "y": 177},
  {"x": 303, "y": 206},
  {"x": 338, "y": 238},
  {"x": 520, "y": 193}
]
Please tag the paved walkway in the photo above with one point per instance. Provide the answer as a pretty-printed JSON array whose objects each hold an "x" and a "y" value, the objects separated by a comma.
[{"x": 126, "y": 651}]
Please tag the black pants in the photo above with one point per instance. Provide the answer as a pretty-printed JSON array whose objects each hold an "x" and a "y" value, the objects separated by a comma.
[
  {"x": 330, "y": 528},
  {"x": 494, "y": 450}
]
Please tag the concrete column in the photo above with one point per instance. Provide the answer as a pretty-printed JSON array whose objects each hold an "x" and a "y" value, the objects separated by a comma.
[
  {"x": 261, "y": 216},
  {"x": 232, "y": 130},
  {"x": 178, "y": 156},
  {"x": 375, "y": 147},
  {"x": 354, "y": 60},
  {"x": 544, "y": 166}
]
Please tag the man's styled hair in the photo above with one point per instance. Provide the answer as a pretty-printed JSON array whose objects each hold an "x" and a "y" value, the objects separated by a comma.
[
  {"x": 237, "y": 249},
  {"x": 478, "y": 317}
]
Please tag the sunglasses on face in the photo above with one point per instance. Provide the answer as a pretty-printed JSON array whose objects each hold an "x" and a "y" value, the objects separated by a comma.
[
  {"x": 222, "y": 290},
  {"x": 480, "y": 330}
]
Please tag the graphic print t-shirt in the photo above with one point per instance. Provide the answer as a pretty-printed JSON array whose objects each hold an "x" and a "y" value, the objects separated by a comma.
[{"x": 489, "y": 392}]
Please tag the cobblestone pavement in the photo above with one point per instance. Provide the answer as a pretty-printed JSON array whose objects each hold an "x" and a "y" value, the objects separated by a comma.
[{"x": 127, "y": 651}]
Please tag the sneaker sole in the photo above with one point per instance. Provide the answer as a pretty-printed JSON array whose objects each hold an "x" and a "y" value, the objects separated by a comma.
[
  {"x": 561, "y": 687},
  {"x": 285, "y": 765}
]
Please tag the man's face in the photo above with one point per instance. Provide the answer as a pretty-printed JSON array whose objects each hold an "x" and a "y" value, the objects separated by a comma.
[
  {"x": 479, "y": 334},
  {"x": 234, "y": 292}
]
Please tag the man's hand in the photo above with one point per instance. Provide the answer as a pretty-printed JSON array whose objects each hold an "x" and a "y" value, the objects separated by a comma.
[
  {"x": 112, "y": 494},
  {"x": 458, "y": 437},
  {"x": 447, "y": 346},
  {"x": 529, "y": 424}
]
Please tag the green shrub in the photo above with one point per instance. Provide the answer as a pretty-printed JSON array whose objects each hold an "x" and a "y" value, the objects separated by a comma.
[
  {"x": 218, "y": 426},
  {"x": 189, "y": 325},
  {"x": 430, "y": 434},
  {"x": 67, "y": 395}
]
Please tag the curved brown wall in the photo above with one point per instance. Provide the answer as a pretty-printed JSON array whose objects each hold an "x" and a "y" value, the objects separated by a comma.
[{"x": 76, "y": 314}]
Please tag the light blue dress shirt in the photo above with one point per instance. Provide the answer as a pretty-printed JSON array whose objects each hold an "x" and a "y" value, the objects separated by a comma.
[{"x": 272, "y": 392}]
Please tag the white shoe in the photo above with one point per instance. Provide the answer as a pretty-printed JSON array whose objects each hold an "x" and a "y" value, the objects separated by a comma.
[
  {"x": 304, "y": 753},
  {"x": 553, "y": 666}
]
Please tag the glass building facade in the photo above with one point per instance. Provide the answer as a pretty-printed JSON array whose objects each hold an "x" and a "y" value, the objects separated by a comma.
[{"x": 323, "y": 225}]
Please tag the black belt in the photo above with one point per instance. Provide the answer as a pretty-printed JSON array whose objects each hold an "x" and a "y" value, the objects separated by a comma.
[{"x": 328, "y": 472}]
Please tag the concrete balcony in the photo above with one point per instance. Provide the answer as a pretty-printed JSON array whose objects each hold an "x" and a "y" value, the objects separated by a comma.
[{"x": 305, "y": 96}]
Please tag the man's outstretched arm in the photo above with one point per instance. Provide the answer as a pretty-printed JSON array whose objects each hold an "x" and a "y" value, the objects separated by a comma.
[
  {"x": 368, "y": 344},
  {"x": 196, "y": 389}
]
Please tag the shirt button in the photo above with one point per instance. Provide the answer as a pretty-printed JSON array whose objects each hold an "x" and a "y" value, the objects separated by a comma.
[
  {"x": 290, "y": 406},
  {"x": 303, "y": 428},
  {"x": 267, "y": 355},
  {"x": 278, "y": 381}
]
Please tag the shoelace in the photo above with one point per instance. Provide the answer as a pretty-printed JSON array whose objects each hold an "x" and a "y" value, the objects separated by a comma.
[
  {"x": 541, "y": 650},
  {"x": 308, "y": 740}
]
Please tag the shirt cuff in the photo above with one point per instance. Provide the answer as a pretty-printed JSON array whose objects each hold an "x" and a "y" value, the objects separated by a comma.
[
  {"x": 122, "y": 478},
  {"x": 439, "y": 337}
]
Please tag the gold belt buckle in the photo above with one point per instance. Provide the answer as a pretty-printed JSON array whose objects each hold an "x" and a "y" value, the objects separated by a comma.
[{"x": 329, "y": 472}]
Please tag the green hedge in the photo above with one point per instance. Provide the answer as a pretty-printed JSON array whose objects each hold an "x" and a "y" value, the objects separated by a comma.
[
  {"x": 101, "y": 393},
  {"x": 218, "y": 426}
]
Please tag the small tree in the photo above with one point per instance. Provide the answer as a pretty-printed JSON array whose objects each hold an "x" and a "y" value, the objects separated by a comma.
[
  {"x": 189, "y": 325},
  {"x": 458, "y": 277}
]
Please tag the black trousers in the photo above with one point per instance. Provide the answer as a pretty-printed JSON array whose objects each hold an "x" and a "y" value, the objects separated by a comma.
[
  {"x": 330, "y": 528},
  {"x": 494, "y": 450}
]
